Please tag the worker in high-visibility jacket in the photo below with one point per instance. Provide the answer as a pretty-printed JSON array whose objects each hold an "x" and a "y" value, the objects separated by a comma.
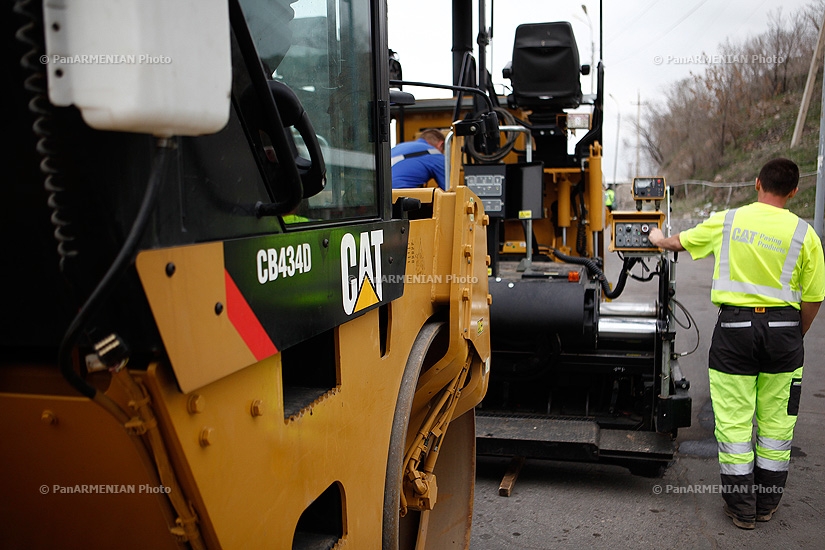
[
  {"x": 768, "y": 281},
  {"x": 609, "y": 198}
]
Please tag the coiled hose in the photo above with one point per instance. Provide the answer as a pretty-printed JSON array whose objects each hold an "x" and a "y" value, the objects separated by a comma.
[
  {"x": 509, "y": 120},
  {"x": 49, "y": 144}
]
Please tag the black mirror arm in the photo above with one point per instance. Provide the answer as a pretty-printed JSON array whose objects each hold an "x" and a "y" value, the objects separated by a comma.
[
  {"x": 465, "y": 89},
  {"x": 489, "y": 120},
  {"x": 313, "y": 172}
]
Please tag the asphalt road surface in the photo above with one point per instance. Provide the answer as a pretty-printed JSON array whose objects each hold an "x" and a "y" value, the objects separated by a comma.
[{"x": 574, "y": 505}]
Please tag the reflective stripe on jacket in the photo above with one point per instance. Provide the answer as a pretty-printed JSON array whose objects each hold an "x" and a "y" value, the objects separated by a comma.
[
  {"x": 765, "y": 256},
  {"x": 724, "y": 283}
]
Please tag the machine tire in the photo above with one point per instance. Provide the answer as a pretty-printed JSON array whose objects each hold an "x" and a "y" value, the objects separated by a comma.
[{"x": 448, "y": 524}]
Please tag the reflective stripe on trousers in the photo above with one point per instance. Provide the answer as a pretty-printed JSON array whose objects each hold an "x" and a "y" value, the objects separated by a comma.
[{"x": 772, "y": 397}]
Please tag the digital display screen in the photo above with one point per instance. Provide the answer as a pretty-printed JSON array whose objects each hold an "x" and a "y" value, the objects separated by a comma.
[{"x": 648, "y": 188}]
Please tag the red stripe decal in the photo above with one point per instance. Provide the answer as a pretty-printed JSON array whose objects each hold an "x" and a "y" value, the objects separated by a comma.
[{"x": 246, "y": 323}]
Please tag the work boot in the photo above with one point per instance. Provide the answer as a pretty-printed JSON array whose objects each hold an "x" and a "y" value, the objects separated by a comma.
[
  {"x": 769, "y": 488},
  {"x": 740, "y": 500},
  {"x": 742, "y": 523},
  {"x": 767, "y": 515}
]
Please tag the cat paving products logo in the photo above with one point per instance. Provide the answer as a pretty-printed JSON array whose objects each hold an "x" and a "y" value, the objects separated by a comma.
[{"x": 361, "y": 281}]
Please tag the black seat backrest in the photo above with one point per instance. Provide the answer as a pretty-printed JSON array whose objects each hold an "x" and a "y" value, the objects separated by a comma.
[{"x": 545, "y": 67}]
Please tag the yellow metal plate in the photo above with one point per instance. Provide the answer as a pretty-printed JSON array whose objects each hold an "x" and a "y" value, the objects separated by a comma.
[{"x": 202, "y": 344}]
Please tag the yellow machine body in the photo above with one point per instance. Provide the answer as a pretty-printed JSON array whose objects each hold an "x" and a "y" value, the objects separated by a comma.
[
  {"x": 247, "y": 470},
  {"x": 235, "y": 340}
]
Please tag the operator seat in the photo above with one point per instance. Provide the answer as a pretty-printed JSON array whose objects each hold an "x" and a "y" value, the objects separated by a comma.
[
  {"x": 545, "y": 75},
  {"x": 545, "y": 68}
]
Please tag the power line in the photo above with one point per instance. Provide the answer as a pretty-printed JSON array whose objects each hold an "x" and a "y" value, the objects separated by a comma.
[
  {"x": 743, "y": 22},
  {"x": 681, "y": 20},
  {"x": 719, "y": 184},
  {"x": 629, "y": 25}
]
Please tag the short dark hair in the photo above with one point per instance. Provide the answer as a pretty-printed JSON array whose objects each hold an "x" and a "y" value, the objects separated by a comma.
[
  {"x": 432, "y": 136},
  {"x": 779, "y": 176}
]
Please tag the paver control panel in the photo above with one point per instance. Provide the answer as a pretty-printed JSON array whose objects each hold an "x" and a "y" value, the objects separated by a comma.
[{"x": 630, "y": 231}]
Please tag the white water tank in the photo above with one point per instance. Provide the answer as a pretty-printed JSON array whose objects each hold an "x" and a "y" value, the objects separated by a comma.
[{"x": 161, "y": 67}]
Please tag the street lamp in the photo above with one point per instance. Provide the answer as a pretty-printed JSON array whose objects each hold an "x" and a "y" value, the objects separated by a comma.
[
  {"x": 618, "y": 126},
  {"x": 592, "y": 49}
]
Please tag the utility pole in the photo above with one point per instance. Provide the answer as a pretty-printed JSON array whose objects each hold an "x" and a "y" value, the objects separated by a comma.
[
  {"x": 639, "y": 104},
  {"x": 638, "y": 128},
  {"x": 819, "y": 199},
  {"x": 618, "y": 127},
  {"x": 809, "y": 86},
  {"x": 592, "y": 50}
]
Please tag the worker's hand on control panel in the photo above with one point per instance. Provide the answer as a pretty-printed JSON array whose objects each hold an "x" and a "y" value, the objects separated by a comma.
[
  {"x": 656, "y": 236},
  {"x": 672, "y": 243}
]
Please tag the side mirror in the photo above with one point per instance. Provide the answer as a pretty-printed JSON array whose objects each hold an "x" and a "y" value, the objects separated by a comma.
[
  {"x": 585, "y": 70},
  {"x": 399, "y": 98},
  {"x": 507, "y": 71}
]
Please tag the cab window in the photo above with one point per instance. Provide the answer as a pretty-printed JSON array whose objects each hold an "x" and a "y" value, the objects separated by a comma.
[{"x": 321, "y": 49}]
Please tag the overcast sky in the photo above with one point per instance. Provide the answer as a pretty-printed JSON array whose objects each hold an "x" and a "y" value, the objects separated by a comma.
[{"x": 645, "y": 42}]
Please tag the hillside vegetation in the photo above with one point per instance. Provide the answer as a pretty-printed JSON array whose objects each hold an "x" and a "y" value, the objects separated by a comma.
[{"x": 721, "y": 126}]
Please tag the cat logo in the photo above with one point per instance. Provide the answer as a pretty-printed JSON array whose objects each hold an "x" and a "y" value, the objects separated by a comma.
[
  {"x": 361, "y": 270},
  {"x": 743, "y": 235}
]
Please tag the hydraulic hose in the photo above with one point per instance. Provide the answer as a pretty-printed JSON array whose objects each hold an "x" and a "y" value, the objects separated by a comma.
[
  {"x": 594, "y": 269},
  {"x": 187, "y": 519},
  {"x": 465, "y": 69},
  {"x": 616, "y": 292},
  {"x": 504, "y": 150},
  {"x": 581, "y": 234},
  {"x": 121, "y": 263}
]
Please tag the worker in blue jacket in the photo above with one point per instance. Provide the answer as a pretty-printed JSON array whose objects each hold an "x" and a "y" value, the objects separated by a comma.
[{"x": 414, "y": 163}]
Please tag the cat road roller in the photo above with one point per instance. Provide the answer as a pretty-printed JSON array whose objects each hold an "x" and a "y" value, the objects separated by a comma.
[{"x": 221, "y": 331}]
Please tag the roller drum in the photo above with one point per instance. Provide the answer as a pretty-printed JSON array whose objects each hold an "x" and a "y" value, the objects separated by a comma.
[{"x": 538, "y": 305}]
